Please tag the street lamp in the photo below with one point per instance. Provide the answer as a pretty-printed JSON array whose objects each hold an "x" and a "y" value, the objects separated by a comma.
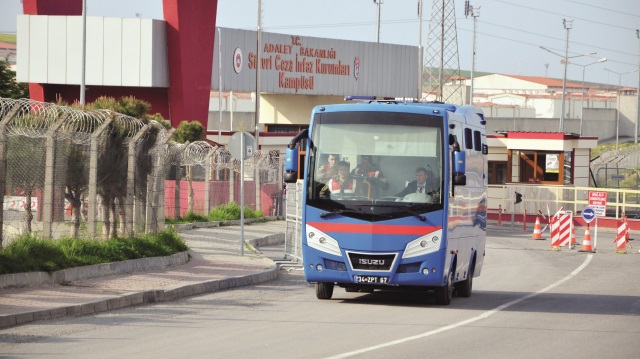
[
  {"x": 618, "y": 100},
  {"x": 378, "y": 3},
  {"x": 604, "y": 59},
  {"x": 565, "y": 60}
]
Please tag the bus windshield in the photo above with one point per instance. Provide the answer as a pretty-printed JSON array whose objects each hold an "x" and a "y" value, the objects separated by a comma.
[{"x": 376, "y": 165}]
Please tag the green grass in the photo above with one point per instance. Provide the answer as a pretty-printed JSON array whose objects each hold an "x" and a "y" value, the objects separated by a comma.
[
  {"x": 604, "y": 148},
  {"x": 30, "y": 253},
  {"x": 225, "y": 212},
  {"x": 8, "y": 38}
]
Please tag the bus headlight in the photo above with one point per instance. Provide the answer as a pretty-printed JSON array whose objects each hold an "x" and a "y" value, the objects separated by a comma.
[
  {"x": 321, "y": 241},
  {"x": 426, "y": 244}
]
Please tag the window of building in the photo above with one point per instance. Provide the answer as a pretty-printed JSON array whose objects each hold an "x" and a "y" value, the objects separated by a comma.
[
  {"x": 568, "y": 167},
  {"x": 549, "y": 167},
  {"x": 285, "y": 128},
  {"x": 497, "y": 172}
]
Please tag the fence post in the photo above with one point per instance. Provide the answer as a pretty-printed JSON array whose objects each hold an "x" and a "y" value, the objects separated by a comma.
[
  {"x": 134, "y": 222},
  {"x": 176, "y": 190},
  {"x": 161, "y": 190},
  {"x": 500, "y": 215},
  {"x": 257, "y": 160},
  {"x": 207, "y": 182},
  {"x": 50, "y": 164},
  {"x": 92, "y": 202},
  {"x": 280, "y": 182},
  {"x": 3, "y": 161}
]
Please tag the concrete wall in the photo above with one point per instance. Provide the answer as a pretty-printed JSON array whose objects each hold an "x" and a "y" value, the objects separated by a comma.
[
  {"x": 600, "y": 123},
  {"x": 628, "y": 115},
  {"x": 120, "y": 52},
  {"x": 286, "y": 109}
]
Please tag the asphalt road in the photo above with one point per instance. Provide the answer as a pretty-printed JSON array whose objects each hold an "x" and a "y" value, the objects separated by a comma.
[{"x": 529, "y": 302}]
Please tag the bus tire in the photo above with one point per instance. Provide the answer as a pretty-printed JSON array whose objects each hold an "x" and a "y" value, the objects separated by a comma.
[
  {"x": 463, "y": 289},
  {"x": 324, "y": 290},
  {"x": 445, "y": 293}
]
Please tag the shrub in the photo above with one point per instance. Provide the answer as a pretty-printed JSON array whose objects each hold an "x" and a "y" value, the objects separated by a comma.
[{"x": 30, "y": 253}]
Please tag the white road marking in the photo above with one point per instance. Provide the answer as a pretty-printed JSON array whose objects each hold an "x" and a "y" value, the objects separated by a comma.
[{"x": 468, "y": 321}]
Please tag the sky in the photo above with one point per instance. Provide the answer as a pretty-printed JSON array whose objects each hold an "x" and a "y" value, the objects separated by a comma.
[{"x": 509, "y": 33}]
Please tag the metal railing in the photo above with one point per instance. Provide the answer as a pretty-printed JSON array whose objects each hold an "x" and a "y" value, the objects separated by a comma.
[{"x": 536, "y": 198}]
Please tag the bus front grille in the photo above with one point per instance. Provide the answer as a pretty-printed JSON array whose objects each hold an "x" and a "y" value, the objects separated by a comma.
[{"x": 371, "y": 262}]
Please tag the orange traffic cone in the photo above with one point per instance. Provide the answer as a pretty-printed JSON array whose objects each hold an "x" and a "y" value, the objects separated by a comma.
[
  {"x": 586, "y": 243},
  {"x": 537, "y": 232}
]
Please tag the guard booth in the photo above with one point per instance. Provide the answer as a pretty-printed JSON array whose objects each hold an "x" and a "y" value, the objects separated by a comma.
[{"x": 536, "y": 164}]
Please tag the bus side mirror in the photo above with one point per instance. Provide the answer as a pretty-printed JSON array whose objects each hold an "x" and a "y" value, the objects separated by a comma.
[
  {"x": 291, "y": 166},
  {"x": 291, "y": 158}
]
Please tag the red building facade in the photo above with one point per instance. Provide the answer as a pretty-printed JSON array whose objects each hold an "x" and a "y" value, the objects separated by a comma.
[{"x": 190, "y": 42}]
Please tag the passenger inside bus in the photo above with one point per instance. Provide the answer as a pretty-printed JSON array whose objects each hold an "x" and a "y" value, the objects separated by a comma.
[
  {"x": 419, "y": 188},
  {"x": 371, "y": 174},
  {"x": 329, "y": 169},
  {"x": 342, "y": 183}
]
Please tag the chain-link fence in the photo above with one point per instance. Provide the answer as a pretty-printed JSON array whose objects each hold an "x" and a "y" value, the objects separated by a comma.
[
  {"x": 617, "y": 169},
  {"x": 69, "y": 172}
]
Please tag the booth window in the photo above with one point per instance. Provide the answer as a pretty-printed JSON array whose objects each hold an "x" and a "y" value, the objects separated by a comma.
[
  {"x": 543, "y": 167},
  {"x": 497, "y": 172}
]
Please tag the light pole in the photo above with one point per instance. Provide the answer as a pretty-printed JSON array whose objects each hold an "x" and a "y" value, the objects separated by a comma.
[
  {"x": 638, "y": 89},
  {"x": 565, "y": 60},
  {"x": 420, "y": 57},
  {"x": 618, "y": 100},
  {"x": 84, "y": 53},
  {"x": 567, "y": 25},
  {"x": 474, "y": 12},
  {"x": 378, "y": 3},
  {"x": 604, "y": 59},
  {"x": 258, "y": 66}
]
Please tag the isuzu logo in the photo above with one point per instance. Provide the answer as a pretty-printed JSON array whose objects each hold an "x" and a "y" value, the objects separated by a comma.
[{"x": 371, "y": 262}]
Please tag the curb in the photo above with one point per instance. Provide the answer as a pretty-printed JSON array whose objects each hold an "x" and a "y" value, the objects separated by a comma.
[
  {"x": 35, "y": 279},
  {"x": 139, "y": 298},
  {"x": 131, "y": 299}
]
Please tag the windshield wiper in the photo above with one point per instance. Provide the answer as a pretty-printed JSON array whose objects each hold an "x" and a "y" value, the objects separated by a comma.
[
  {"x": 404, "y": 208},
  {"x": 340, "y": 211}
]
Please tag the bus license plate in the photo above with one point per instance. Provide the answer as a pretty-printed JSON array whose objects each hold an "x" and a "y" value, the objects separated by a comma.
[{"x": 371, "y": 279}]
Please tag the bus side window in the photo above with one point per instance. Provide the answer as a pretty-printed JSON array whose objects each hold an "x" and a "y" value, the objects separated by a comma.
[
  {"x": 477, "y": 141},
  {"x": 468, "y": 139}
]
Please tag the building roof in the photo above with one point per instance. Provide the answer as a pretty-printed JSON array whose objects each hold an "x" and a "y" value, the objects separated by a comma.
[
  {"x": 545, "y": 81},
  {"x": 6, "y": 45}
]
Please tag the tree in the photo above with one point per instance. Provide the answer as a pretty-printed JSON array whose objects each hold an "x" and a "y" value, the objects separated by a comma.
[
  {"x": 188, "y": 132},
  {"x": 9, "y": 87},
  {"x": 113, "y": 160},
  {"x": 26, "y": 164}
]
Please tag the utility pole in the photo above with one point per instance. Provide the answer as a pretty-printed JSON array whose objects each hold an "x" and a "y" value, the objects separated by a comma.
[
  {"x": 475, "y": 13},
  {"x": 638, "y": 89},
  {"x": 420, "y": 58},
  {"x": 84, "y": 53},
  {"x": 604, "y": 59},
  {"x": 378, "y": 3},
  {"x": 567, "y": 25},
  {"x": 259, "y": 65},
  {"x": 619, "y": 91}
]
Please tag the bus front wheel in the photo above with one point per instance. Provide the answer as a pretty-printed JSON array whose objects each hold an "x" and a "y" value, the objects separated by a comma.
[
  {"x": 324, "y": 290},
  {"x": 445, "y": 293}
]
